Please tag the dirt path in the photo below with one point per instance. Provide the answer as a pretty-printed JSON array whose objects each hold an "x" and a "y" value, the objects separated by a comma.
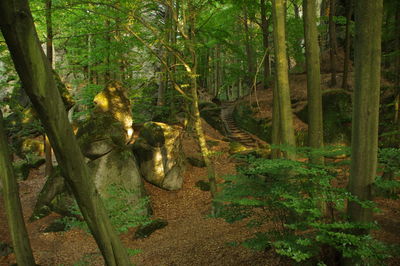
[{"x": 191, "y": 238}]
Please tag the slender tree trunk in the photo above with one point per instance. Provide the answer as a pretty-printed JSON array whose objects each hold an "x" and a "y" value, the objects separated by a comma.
[
  {"x": 314, "y": 94},
  {"x": 35, "y": 73},
  {"x": 276, "y": 124},
  {"x": 349, "y": 12},
  {"x": 397, "y": 67},
  {"x": 107, "y": 74},
  {"x": 366, "y": 105},
  {"x": 251, "y": 60},
  {"x": 282, "y": 78},
  {"x": 195, "y": 108},
  {"x": 265, "y": 31},
  {"x": 49, "y": 53},
  {"x": 15, "y": 218},
  {"x": 332, "y": 41}
]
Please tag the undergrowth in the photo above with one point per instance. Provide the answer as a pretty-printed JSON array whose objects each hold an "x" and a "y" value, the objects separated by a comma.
[
  {"x": 287, "y": 195},
  {"x": 123, "y": 213}
]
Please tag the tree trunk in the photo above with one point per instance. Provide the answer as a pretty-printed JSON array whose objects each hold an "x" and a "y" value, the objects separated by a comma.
[
  {"x": 314, "y": 95},
  {"x": 397, "y": 67},
  {"x": 282, "y": 79},
  {"x": 276, "y": 128},
  {"x": 265, "y": 31},
  {"x": 195, "y": 110},
  {"x": 251, "y": 60},
  {"x": 15, "y": 218},
  {"x": 49, "y": 53},
  {"x": 366, "y": 105},
  {"x": 35, "y": 73},
  {"x": 349, "y": 12},
  {"x": 332, "y": 41}
]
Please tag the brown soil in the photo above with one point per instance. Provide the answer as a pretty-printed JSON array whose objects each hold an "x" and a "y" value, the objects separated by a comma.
[{"x": 191, "y": 238}]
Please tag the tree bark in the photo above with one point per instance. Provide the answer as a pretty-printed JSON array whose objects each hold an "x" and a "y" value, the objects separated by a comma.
[
  {"x": 397, "y": 67},
  {"x": 265, "y": 31},
  {"x": 49, "y": 53},
  {"x": 332, "y": 41},
  {"x": 12, "y": 202},
  {"x": 349, "y": 12},
  {"x": 314, "y": 94},
  {"x": 35, "y": 73},
  {"x": 282, "y": 78},
  {"x": 366, "y": 105},
  {"x": 251, "y": 60}
]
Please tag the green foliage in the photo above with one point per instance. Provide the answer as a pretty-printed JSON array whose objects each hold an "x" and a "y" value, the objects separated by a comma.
[
  {"x": 289, "y": 193},
  {"x": 122, "y": 212}
]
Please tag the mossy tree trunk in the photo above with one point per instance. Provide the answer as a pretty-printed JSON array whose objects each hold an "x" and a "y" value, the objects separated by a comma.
[
  {"x": 366, "y": 105},
  {"x": 314, "y": 95},
  {"x": 49, "y": 53},
  {"x": 35, "y": 73},
  {"x": 12, "y": 202},
  {"x": 332, "y": 41},
  {"x": 192, "y": 71},
  {"x": 282, "y": 78}
]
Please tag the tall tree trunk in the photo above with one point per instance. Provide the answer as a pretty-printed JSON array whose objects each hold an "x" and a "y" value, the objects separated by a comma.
[
  {"x": 35, "y": 73},
  {"x": 250, "y": 54},
  {"x": 49, "y": 53},
  {"x": 397, "y": 66},
  {"x": 332, "y": 41},
  {"x": 314, "y": 95},
  {"x": 276, "y": 124},
  {"x": 265, "y": 31},
  {"x": 15, "y": 218},
  {"x": 366, "y": 105},
  {"x": 349, "y": 12},
  {"x": 282, "y": 78}
]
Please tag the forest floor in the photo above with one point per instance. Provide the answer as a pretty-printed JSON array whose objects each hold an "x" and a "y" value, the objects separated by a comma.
[{"x": 190, "y": 238}]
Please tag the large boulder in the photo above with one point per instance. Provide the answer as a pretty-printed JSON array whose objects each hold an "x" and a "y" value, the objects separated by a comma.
[
  {"x": 159, "y": 151},
  {"x": 100, "y": 134},
  {"x": 114, "y": 99},
  {"x": 117, "y": 168}
]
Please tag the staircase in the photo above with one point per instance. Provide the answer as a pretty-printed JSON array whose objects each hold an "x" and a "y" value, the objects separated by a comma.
[{"x": 235, "y": 133}]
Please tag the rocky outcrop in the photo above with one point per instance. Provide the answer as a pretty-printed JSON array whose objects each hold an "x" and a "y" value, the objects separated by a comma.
[
  {"x": 337, "y": 111},
  {"x": 113, "y": 99},
  {"x": 211, "y": 112},
  {"x": 159, "y": 152},
  {"x": 100, "y": 134},
  {"x": 119, "y": 167}
]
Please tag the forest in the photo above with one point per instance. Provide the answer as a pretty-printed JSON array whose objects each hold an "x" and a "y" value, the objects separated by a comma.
[{"x": 200, "y": 132}]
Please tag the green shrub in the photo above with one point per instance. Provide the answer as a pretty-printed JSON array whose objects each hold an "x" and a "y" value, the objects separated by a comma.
[
  {"x": 122, "y": 215},
  {"x": 289, "y": 193}
]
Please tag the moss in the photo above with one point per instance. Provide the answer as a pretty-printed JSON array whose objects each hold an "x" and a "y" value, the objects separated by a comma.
[
  {"x": 211, "y": 112},
  {"x": 153, "y": 133},
  {"x": 244, "y": 118}
]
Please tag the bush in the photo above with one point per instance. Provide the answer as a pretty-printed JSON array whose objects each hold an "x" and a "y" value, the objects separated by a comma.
[{"x": 290, "y": 194}]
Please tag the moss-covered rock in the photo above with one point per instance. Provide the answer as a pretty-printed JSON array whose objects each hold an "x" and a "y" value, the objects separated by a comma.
[
  {"x": 337, "y": 112},
  {"x": 244, "y": 119},
  {"x": 113, "y": 99},
  {"x": 100, "y": 134},
  {"x": 146, "y": 230},
  {"x": 159, "y": 151},
  {"x": 119, "y": 168},
  {"x": 211, "y": 112}
]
